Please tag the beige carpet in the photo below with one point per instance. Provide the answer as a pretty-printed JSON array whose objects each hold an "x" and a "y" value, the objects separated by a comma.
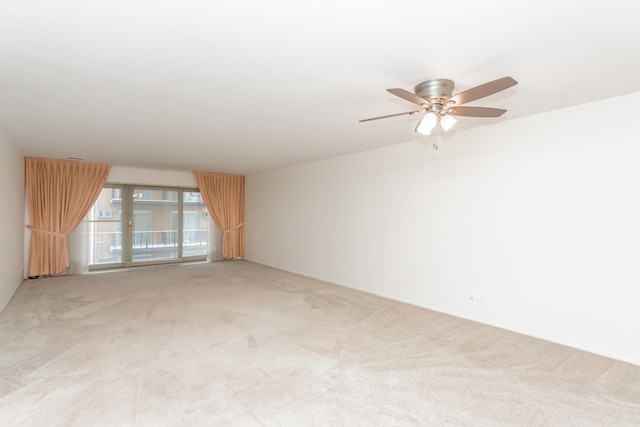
[{"x": 239, "y": 344}]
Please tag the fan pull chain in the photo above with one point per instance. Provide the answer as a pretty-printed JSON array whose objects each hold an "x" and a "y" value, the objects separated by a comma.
[{"x": 435, "y": 142}]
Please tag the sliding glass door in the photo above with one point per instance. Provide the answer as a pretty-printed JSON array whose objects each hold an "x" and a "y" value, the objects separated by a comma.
[
  {"x": 154, "y": 235},
  {"x": 133, "y": 225},
  {"x": 195, "y": 225}
]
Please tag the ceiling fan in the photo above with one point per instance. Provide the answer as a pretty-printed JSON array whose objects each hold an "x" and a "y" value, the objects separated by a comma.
[{"x": 435, "y": 99}]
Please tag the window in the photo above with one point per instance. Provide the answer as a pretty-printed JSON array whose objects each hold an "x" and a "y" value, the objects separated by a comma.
[
  {"x": 116, "y": 193},
  {"x": 130, "y": 224}
]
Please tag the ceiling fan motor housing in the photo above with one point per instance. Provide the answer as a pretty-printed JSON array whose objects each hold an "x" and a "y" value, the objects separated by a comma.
[{"x": 439, "y": 88}]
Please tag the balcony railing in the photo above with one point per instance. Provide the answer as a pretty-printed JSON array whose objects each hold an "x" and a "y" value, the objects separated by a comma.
[{"x": 107, "y": 246}]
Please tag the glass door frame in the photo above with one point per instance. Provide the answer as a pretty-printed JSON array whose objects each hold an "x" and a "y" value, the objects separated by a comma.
[
  {"x": 130, "y": 261},
  {"x": 127, "y": 228}
]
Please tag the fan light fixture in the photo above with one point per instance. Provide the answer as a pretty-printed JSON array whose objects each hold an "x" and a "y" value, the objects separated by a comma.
[
  {"x": 447, "y": 122},
  {"x": 427, "y": 123},
  {"x": 430, "y": 120}
]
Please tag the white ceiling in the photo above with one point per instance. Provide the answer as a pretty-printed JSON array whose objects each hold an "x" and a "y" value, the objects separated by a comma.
[{"x": 244, "y": 86}]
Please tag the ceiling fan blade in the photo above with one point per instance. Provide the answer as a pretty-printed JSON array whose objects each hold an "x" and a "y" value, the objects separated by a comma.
[
  {"x": 390, "y": 115},
  {"x": 475, "y": 111},
  {"x": 408, "y": 96},
  {"x": 483, "y": 90}
]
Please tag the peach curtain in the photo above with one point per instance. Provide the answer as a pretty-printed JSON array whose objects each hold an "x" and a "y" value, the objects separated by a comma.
[
  {"x": 224, "y": 196},
  {"x": 59, "y": 193}
]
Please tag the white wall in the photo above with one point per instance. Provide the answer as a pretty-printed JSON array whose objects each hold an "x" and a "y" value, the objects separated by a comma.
[
  {"x": 536, "y": 218},
  {"x": 155, "y": 177},
  {"x": 12, "y": 223}
]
